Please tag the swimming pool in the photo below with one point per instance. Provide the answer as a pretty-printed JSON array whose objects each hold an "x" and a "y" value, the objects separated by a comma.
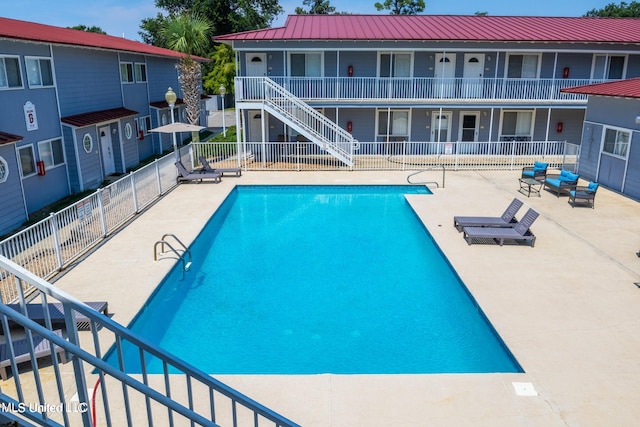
[{"x": 319, "y": 279}]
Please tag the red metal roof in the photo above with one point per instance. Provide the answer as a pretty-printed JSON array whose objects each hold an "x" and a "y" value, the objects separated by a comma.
[
  {"x": 8, "y": 138},
  {"x": 22, "y": 30},
  {"x": 95, "y": 117},
  {"x": 623, "y": 88},
  {"x": 448, "y": 27}
]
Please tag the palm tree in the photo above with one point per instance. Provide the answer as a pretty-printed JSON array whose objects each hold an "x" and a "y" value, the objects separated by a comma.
[{"x": 188, "y": 34}]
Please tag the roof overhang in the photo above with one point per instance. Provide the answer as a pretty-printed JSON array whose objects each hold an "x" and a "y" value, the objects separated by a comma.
[
  {"x": 9, "y": 138},
  {"x": 95, "y": 117}
]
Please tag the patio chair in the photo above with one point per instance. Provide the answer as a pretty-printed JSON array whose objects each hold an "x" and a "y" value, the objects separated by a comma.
[
  {"x": 583, "y": 193},
  {"x": 207, "y": 167},
  {"x": 185, "y": 175},
  {"x": 520, "y": 232},
  {"x": 507, "y": 219},
  {"x": 562, "y": 183},
  {"x": 538, "y": 171},
  {"x": 36, "y": 313},
  {"x": 21, "y": 350}
]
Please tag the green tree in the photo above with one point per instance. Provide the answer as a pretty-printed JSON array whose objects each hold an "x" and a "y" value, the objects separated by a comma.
[
  {"x": 225, "y": 16},
  {"x": 223, "y": 70},
  {"x": 316, "y": 7},
  {"x": 612, "y": 10},
  {"x": 481, "y": 14},
  {"x": 189, "y": 34},
  {"x": 401, "y": 7},
  {"x": 92, "y": 29}
]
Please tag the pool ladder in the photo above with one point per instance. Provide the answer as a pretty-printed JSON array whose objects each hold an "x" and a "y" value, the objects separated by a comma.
[
  {"x": 179, "y": 253},
  {"x": 438, "y": 166}
]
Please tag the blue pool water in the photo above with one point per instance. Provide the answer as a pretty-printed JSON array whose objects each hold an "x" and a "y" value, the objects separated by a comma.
[{"x": 319, "y": 279}]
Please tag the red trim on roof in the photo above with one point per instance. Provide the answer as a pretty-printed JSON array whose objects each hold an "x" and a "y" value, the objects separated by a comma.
[
  {"x": 622, "y": 88},
  {"x": 23, "y": 30},
  {"x": 95, "y": 117},
  {"x": 448, "y": 27},
  {"x": 8, "y": 138}
]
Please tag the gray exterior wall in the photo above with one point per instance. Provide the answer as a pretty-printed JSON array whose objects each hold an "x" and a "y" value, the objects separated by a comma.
[
  {"x": 619, "y": 113},
  {"x": 12, "y": 209}
]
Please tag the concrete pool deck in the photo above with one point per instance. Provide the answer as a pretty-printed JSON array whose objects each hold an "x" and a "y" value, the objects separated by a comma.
[{"x": 567, "y": 308}]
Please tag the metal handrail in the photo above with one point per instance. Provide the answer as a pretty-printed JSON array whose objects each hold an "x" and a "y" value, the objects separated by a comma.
[
  {"x": 82, "y": 357},
  {"x": 426, "y": 170},
  {"x": 185, "y": 250}
]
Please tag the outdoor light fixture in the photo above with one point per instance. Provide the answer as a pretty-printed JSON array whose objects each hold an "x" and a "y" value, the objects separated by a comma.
[
  {"x": 171, "y": 99},
  {"x": 223, "y": 92}
]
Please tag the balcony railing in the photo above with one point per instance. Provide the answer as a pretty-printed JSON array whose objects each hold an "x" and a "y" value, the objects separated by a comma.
[{"x": 362, "y": 89}]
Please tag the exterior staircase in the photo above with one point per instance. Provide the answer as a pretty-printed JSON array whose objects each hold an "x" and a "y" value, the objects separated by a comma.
[{"x": 294, "y": 112}]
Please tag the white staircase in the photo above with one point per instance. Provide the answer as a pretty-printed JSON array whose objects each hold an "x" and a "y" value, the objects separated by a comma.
[{"x": 294, "y": 112}]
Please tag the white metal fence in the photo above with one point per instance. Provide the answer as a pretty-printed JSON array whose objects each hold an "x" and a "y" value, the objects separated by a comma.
[
  {"x": 401, "y": 155},
  {"x": 427, "y": 88},
  {"x": 48, "y": 246}
]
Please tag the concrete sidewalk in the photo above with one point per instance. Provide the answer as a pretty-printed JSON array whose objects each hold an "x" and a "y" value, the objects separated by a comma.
[{"x": 567, "y": 308}]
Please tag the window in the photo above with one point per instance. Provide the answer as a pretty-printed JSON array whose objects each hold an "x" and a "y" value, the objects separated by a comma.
[
  {"x": 395, "y": 65},
  {"x": 144, "y": 124},
  {"x": 616, "y": 142},
  {"x": 126, "y": 72},
  {"x": 4, "y": 170},
  {"x": 51, "y": 152},
  {"x": 608, "y": 67},
  {"x": 517, "y": 126},
  {"x": 87, "y": 143},
  {"x": 10, "y": 72},
  {"x": 393, "y": 123},
  {"x": 27, "y": 160},
  {"x": 522, "y": 66},
  {"x": 141, "y": 73},
  {"x": 39, "y": 72},
  {"x": 306, "y": 65}
]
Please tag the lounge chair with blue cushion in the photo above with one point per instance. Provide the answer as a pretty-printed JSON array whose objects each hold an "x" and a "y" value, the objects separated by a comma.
[
  {"x": 207, "y": 167},
  {"x": 583, "y": 193},
  {"x": 538, "y": 171},
  {"x": 521, "y": 232},
  {"x": 22, "y": 353},
  {"x": 507, "y": 219},
  {"x": 185, "y": 175},
  {"x": 562, "y": 183}
]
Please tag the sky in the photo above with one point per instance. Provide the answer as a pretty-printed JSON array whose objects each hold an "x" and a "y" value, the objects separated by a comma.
[{"x": 122, "y": 18}]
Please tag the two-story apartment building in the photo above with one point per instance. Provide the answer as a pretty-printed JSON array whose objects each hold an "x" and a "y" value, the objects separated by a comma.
[
  {"x": 76, "y": 108},
  {"x": 357, "y": 84}
]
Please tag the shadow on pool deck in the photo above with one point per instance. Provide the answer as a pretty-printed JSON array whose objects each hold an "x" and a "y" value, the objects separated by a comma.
[{"x": 567, "y": 308}]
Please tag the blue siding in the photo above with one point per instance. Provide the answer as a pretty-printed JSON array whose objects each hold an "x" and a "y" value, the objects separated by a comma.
[
  {"x": 12, "y": 211},
  {"x": 632, "y": 182},
  {"x": 129, "y": 146},
  {"x": 72, "y": 161},
  {"x": 88, "y": 80},
  {"x": 590, "y": 150},
  {"x": 90, "y": 163},
  {"x": 41, "y": 191}
]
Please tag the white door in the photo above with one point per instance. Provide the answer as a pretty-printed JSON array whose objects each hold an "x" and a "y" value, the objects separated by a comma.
[
  {"x": 472, "y": 75},
  {"x": 445, "y": 72},
  {"x": 256, "y": 64},
  {"x": 108, "y": 161}
]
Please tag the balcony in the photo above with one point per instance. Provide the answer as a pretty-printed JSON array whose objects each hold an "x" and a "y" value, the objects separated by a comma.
[{"x": 440, "y": 90}]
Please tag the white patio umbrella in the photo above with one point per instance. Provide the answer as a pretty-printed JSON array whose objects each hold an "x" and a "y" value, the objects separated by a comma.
[
  {"x": 178, "y": 127},
  {"x": 172, "y": 128}
]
